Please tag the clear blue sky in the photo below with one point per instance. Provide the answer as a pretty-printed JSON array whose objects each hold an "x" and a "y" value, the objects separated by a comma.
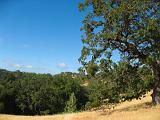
[{"x": 40, "y": 35}]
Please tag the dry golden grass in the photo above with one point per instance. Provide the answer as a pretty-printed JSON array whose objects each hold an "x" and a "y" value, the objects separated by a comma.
[{"x": 134, "y": 110}]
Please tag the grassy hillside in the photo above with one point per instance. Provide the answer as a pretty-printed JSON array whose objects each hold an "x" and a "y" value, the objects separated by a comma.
[{"x": 134, "y": 110}]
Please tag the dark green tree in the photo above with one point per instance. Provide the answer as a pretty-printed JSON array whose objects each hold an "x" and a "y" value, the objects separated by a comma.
[
  {"x": 131, "y": 27},
  {"x": 120, "y": 83},
  {"x": 71, "y": 104}
]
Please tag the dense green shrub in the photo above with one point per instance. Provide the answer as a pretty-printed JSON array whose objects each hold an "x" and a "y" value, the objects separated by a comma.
[{"x": 71, "y": 105}]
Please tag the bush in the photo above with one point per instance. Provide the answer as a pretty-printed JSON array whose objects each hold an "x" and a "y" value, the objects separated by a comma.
[{"x": 71, "y": 105}]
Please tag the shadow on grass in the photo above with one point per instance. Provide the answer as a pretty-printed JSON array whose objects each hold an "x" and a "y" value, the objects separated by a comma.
[{"x": 130, "y": 108}]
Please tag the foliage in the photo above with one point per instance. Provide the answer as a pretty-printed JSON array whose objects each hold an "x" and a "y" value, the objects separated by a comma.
[
  {"x": 131, "y": 27},
  {"x": 122, "y": 82},
  {"x": 71, "y": 104},
  {"x": 39, "y": 94}
]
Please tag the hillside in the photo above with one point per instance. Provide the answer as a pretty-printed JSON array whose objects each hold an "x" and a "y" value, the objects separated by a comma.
[{"x": 134, "y": 110}]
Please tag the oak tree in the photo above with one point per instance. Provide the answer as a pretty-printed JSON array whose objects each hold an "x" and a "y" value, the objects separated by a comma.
[{"x": 131, "y": 27}]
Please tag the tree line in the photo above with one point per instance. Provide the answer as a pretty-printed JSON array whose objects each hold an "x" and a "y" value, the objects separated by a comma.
[{"x": 40, "y": 94}]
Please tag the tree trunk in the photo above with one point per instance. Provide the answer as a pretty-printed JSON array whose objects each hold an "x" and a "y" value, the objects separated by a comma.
[
  {"x": 155, "y": 97},
  {"x": 156, "y": 84}
]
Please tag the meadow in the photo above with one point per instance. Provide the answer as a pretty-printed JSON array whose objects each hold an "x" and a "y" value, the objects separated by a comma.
[{"x": 134, "y": 110}]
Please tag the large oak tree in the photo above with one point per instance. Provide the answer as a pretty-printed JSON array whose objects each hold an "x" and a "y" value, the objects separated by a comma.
[{"x": 131, "y": 27}]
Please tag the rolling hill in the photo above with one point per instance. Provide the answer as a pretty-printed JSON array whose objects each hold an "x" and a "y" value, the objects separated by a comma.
[{"x": 134, "y": 110}]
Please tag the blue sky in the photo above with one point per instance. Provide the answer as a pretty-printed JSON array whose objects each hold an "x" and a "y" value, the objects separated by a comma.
[{"x": 40, "y": 36}]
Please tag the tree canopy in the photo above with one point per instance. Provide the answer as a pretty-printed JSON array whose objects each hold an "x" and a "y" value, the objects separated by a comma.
[
  {"x": 39, "y": 94},
  {"x": 131, "y": 27}
]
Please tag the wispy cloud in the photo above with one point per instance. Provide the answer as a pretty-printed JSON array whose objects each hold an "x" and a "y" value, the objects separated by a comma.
[
  {"x": 17, "y": 65},
  {"x": 62, "y": 65},
  {"x": 29, "y": 66},
  {"x": 10, "y": 64}
]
